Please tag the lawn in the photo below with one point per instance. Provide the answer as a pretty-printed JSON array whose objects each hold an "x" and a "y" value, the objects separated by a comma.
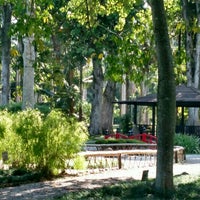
[{"x": 186, "y": 187}]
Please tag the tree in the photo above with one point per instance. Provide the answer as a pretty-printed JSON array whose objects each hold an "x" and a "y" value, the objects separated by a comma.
[
  {"x": 29, "y": 60},
  {"x": 166, "y": 102},
  {"x": 191, "y": 16},
  {"x": 107, "y": 108},
  {"x": 97, "y": 94},
  {"x": 6, "y": 45}
]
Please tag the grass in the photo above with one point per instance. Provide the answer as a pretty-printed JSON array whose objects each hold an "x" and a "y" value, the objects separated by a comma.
[
  {"x": 186, "y": 188},
  {"x": 15, "y": 177},
  {"x": 100, "y": 140}
]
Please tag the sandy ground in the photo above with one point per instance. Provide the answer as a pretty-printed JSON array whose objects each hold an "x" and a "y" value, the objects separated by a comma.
[{"x": 59, "y": 187}]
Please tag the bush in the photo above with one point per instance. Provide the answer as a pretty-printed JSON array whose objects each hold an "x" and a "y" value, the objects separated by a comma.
[
  {"x": 61, "y": 139},
  {"x": 44, "y": 143},
  {"x": 12, "y": 107},
  {"x": 189, "y": 142},
  {"x": 117, "y": 141},
  {"x": 126, "y": 123},
  {"x": 9, "y": 141},
  {"x": 27, "y": 126},
  {"x": 80, "y": 163},
  {"x": 5, "y": 123},
  {"x": 44, "y": 108}
]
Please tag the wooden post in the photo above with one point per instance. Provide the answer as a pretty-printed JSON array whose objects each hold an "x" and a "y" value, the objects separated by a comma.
[
  {"x": 176, "y": 156},
  {"x": 120, "y": 161},
  {"x": 145, "y": 175},
  {"x": 4, "y": 156}
]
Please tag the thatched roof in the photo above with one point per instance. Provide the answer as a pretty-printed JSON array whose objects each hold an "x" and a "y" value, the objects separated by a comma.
[{"x": 185, "y": 96}]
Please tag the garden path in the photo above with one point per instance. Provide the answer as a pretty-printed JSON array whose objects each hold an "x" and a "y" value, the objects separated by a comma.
[{"x": 55, "y": 188}]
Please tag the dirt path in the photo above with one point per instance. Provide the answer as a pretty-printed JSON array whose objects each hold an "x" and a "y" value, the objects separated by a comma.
[{"x": 58, "y": 187}]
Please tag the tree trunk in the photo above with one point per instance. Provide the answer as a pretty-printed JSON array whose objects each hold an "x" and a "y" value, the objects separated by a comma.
[
  {"x": 95, "y": 117},
  {"x": 192, "y": 54},
  {"x": 166, "y": 102},
  {"x": 6, "y": 45},
  {"x": 194, "y": 112},
  {"x": 123, "y": 107},
  {"x": 18, "y": 97},
  {"x": 29, "y": 60},
  {"x": 107, "y": 107},
  {"x": 143, "y": 109},
  {"x": 28, "y": 78},
  {"x": 197, "y": 56},
  {"x": 81, "y": 92}
]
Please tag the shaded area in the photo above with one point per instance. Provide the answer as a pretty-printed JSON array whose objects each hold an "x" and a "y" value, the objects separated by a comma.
[
  {"x": 185, "y": 97},
  {"x": 61, "y": 186},
  {"x": 50, "y": 190}
]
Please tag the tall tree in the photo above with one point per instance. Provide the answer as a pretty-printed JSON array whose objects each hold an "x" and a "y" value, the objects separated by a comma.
[
  {"x": 166, "y": 101},
  {"x": 29, "y": 60},
  {"x": 107, "y": 106},
  {"x": 6, "y": 45},
  {"x": 97, "y": 94},
  {"x": 191, "y": 15}
]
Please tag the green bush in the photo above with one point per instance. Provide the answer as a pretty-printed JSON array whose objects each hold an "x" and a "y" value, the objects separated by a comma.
[
  {"x": 62, "y": 138},
  {"x": 9, "y": 141},
  {"x": 5, "y": 123},
  {"x": 44, "y": 143},
  {"x": 44, "y": 108},
  {"x": 12, "y": 107},
  {"x": 80, "y": 163},
  {"x": 27, "y": 126},
  {"x": 6, "y": 134},
  {"x": 126, "y": 123},
  {"x": 189, "y": 142},
  {"x": 116, "y": 141}
]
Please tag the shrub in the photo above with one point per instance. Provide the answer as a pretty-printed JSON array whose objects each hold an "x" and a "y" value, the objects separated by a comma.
[
  {"x": 12, "y": 107},
  {"x": 9, "y": 141},
  {"x": 61, "y": 139},
  {"x": 5, "y": 123},
  {"x": 27, "y": 126},
  {"x": 44, "y": 143},
  {"x": 126, "y": 123},
  {"x": 80, "y": 163},
  {"x": 189, "y": 142},
  {"x": 117, "y": 141}
]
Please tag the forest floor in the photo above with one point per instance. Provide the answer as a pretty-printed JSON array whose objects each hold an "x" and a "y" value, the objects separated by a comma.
[{"x": 47, "y": 190}]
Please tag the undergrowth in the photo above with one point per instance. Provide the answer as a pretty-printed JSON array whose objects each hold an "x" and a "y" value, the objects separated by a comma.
[{"x": 131, "y": 190}]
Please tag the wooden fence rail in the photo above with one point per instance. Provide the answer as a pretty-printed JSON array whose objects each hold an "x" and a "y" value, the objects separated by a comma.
[{"x": 126, "y": 158}]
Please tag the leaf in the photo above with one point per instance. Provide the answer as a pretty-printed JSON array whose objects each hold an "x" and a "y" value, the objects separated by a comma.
[
  {"x": 100, "y": 56},
  {"x": 14, "y": 52}
]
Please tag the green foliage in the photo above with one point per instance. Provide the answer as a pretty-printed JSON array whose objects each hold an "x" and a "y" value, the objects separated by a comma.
[
  {"x": 189, "y": 142},
  {"x": 79, "y": 163},
  {"x": 134, "y": 190},
  {"x": 61, "y": 139},
  {"x": 44, "y": 143},
  {"x": 27, "y": 126},
  {"x": 9, "y": 141},
  {"x": 14, "y": 177},
  {"x": 189, "y": 190},
  {"x": 116, "y": 141},
  {"x": 43, "y": 108},
  {"x": 5, "y": 123},
  {"x": 12, "y": 107},
  {"x": 125, "y": 123}
]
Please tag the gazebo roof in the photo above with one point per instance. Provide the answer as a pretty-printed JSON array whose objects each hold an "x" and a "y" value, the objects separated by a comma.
[{"x": 185, "y": 97}]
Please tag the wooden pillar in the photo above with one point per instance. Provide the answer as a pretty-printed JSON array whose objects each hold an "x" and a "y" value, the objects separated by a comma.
[
  {"x": 120, "y": 161},
  {"x": 182, "y": 120},
  {"x": 135, "y": 114},
  {"x": 153, "y": 119}
]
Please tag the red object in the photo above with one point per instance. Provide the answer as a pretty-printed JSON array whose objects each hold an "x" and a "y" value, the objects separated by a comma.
[{"x": 147, "y": 138}]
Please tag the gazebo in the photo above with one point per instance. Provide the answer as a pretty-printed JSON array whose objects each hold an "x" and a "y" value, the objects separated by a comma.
[{"x": 185, "y": 97}]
